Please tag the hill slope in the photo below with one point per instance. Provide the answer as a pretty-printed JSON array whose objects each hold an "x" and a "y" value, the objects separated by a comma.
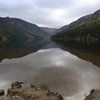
[
  {"x": 85, "y": 30},
  {"x": 50, "y": 31},
  {"x": 13, "y": 29}
]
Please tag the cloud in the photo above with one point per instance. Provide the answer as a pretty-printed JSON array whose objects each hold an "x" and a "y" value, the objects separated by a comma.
[
  {"x": 54, "y": 4},
  {"x": 50, "y": 13}
]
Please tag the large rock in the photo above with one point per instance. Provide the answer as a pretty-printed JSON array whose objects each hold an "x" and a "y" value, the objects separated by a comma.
[
  {"x": 94, "y": 95},
  {"x": 16, "y": 85}
]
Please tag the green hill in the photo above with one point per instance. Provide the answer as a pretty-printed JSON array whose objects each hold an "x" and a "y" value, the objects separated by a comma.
[
  {"x": 85, "y": 30},
  {"x": 13, "y": 30}
]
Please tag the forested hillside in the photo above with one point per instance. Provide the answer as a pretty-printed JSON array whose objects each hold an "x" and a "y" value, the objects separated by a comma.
[
  {"x": 14, "y": 30},
  {"x": 85, "y": 30}
]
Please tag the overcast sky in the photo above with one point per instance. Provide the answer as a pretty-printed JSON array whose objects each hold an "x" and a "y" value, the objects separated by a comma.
[{"x": 50, "y": 13}]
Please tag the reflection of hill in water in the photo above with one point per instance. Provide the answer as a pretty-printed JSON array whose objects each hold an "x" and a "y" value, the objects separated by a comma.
[
  {"x": 84, "y": 52},
  {"x": 88, "y": 53},
  {"x": 61, "y": 80},
  {"x": 21, "y": 50},
  {"x": 93, "y": 57},
  {"x": 12, "y": 51}
]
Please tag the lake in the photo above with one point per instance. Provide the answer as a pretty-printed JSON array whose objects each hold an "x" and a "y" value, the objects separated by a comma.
[{"x": 69, "y": 71}]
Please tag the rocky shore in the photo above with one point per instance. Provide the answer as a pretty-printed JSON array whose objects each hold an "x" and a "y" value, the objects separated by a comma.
[{"x": 18, "y": 92}]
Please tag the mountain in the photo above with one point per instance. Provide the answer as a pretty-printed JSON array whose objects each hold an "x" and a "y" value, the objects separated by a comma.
[
  {"x": 17, "y": 30},
  {"x": 83, "y": 20},
  {"x": 63, "y": 28},
  {"x": 85, "y": 30},
  {"x": 49, "y": 31}
]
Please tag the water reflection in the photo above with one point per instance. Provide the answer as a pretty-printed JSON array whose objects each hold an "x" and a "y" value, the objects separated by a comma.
[
  {"x": 61, "y": 70},
  {"x": 82, "y": 51},
  {"x": 88, "y": 53},
  {"x": 12, "y": 51},
  {"x": 58, "y": 79},
  {"x": 70, "y": 77}
]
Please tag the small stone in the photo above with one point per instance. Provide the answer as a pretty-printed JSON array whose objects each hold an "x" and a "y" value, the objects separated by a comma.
[{"x": 2, "y": 92}]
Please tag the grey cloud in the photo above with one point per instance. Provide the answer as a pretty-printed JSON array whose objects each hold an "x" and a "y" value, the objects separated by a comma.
[
  {"x": 54, "y": 3},
  {"x": 40, "y": 11},
  {"x": 14, "y": 5}
]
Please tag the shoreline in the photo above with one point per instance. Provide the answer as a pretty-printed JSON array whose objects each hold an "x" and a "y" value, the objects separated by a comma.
[{"x": 18, "y": 92}]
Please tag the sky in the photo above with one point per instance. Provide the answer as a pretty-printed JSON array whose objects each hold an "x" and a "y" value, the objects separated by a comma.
[{"x": 48, "y": 13}]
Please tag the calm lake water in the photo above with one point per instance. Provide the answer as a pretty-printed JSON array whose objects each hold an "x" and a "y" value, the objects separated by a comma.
[{"x": 62, "y": 69}]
